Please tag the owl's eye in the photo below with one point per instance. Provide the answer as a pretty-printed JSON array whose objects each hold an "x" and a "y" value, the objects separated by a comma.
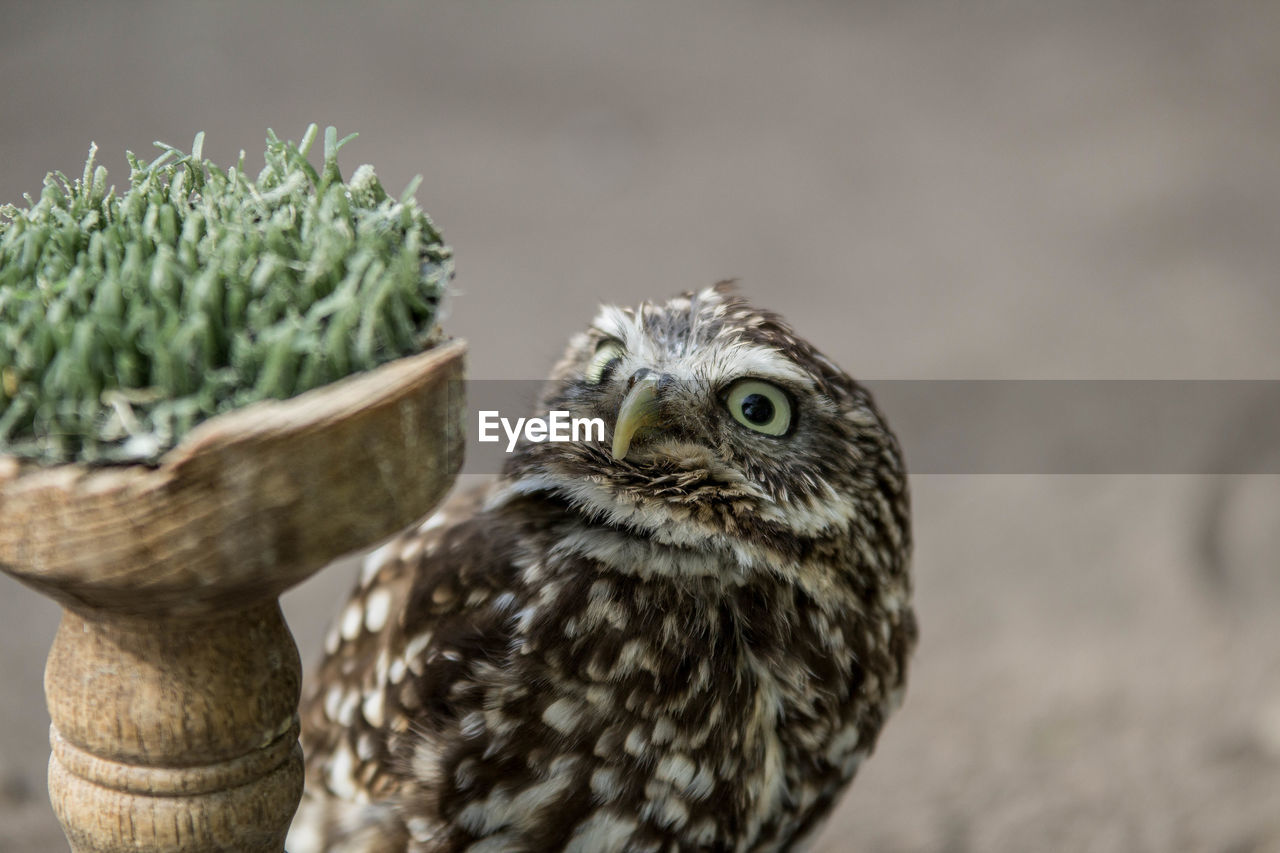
[
  {"x": 760, "y": 406},
  {"x": 608, "y": 354}
]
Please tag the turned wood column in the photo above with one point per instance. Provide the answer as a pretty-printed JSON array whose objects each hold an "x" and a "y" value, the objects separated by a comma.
[
  {"x": 180, "y": 731},
  {"x": 173, "y": 681}
]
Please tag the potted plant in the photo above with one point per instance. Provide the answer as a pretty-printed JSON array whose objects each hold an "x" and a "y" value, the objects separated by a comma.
[{"x": 211, "y": 385}]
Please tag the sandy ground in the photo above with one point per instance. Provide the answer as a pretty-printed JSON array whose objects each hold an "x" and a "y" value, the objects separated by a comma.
[{"x": 994, "y": 190}]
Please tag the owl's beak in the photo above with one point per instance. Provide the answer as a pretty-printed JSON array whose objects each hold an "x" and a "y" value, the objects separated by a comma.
[{"x": 639, "y": 409}]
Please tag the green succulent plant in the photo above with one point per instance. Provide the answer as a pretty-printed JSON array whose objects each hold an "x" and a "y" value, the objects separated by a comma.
[{"x": 126, "y": 319}]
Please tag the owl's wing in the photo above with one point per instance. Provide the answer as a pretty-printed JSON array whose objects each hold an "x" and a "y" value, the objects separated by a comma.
[{"x": 402, "y": 665}]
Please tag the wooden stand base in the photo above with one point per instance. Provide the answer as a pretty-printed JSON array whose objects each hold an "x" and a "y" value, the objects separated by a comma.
[{"x": 203, "y": 754}]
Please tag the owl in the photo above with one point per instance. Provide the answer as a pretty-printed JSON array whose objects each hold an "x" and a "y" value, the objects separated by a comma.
[{"x": 683, "y": 637}]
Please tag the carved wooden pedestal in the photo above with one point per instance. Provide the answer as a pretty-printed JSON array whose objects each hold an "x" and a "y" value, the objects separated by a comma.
[{"x": 173, "y": 681}]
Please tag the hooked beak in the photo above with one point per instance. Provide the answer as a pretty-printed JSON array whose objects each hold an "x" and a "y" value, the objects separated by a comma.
[{"x": 639, "y": 409}]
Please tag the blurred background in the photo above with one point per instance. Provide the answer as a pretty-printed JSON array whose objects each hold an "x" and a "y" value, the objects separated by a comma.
[{"x": 991, "y": 190}]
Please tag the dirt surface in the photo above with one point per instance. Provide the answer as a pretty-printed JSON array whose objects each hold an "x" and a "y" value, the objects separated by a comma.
[{"x": 995, "y": 190}]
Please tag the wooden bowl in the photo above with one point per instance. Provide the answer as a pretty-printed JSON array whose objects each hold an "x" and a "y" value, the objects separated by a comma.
[{"x": 250, "y": 503}]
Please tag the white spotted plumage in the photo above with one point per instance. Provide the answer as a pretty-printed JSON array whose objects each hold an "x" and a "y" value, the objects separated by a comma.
[{"x": 687, "y": 644}]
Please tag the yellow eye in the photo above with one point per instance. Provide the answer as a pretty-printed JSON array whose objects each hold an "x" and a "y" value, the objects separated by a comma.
[
  {"x": 760, "y": 406},
  {"x": 607, "y": 355}
]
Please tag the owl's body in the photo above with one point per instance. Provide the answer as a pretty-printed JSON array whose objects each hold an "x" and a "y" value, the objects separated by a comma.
[{"x": 686, "y": 641}]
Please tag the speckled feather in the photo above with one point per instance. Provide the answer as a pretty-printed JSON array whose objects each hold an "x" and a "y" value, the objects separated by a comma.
[{"x": 690, "y": 648}]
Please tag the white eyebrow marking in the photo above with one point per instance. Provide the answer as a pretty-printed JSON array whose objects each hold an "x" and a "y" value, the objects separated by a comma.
[
  {"x": 740, "y": 359},
  {"x": 629, "y": 329},
  {"x": 722, "y": 359},
  {"x": 615, "y": 322}
]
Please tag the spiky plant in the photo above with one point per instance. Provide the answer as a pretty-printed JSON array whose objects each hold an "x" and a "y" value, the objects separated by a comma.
[{"x": 128, "y": 318}]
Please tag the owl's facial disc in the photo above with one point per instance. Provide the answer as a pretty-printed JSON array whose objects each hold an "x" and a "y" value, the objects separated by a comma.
[{"x": 722, "y": 419}]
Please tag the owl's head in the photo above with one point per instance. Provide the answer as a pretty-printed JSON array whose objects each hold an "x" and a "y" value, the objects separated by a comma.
[{"x": 722, "y": 425}]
